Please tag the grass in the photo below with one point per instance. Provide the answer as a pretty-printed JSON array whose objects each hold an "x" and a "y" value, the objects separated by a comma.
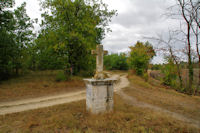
[
  {"x": 164, "y": 97},
  {"x": 125, "y": 118},
  {"x": 36, "y": 84},
  {"x": 157, "y": 74},
  {"x": 74, "y": 118}
]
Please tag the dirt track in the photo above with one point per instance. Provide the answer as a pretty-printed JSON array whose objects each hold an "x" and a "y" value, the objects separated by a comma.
[
  {"x": 28, "y": 104},
  {"x": 133, "y": 101},
  {"x": 34, "y": 103}
]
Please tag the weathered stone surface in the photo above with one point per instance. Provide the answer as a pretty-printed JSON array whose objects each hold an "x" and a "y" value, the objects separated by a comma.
[
  {"x": 99, "y": 90},
  {"x": 99, "y": 95},
  {"x": 99, "y": 52}
]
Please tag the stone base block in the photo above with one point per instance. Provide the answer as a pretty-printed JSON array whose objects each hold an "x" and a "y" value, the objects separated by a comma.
[{"x": 99, "y": 95}]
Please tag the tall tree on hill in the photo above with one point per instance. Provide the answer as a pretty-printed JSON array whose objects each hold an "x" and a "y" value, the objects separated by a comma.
[{"x": 72, "y": 29}]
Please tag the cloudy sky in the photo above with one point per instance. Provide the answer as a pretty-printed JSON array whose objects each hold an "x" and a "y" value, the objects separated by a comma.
[{"x": 136, "y": 19}]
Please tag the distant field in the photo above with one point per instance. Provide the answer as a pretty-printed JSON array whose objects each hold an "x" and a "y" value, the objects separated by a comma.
[
  {"x": 36, "y": 84},
  {"x": 185, "y": 75}
]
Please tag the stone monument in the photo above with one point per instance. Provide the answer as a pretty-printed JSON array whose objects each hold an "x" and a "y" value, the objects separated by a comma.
[{"x": 99, "y": 89}]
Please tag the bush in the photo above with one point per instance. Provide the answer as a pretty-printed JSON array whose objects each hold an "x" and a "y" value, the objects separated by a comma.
[
  {"x": 116, "y": 62},
  {"x": 145, "y": 76},
  {"x": 170, "y": 74},
  {"x": 140, "y": 56},
  {"x": 61, "y": 76}
]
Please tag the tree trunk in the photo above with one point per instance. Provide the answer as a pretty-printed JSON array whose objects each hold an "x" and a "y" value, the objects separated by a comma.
[
  {"x": 190, "y": 66},
  {"x": 17, "y": 71},
  {"x": 177, "y": 66},
  {"x": 179, "y": 76},
  {"x": 199, "y": 72}
]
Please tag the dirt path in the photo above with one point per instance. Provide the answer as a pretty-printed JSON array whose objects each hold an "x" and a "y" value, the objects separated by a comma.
[
  {"x": 133, "y": 101},
  {"x": 35, "y": 103},
  {"x": 28, "y": 104}
]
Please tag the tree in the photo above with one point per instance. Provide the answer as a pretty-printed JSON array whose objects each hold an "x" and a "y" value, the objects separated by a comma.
[
  {"x": 6, "y": 40},
  {"x": 187, "y": 16},
  {"x": 195, "y": 27},
  {"x": 23, "y": 36},
  {"x": 170, "y": 72},
  {"x": 116, "y": 62},
  {"x": 72, "y": 29},
  {"x": 15, "y": 37},
  {"x": 171, "y": 54},
  {"x": 140, "y": 56},
  {"x": 188, "y": 12}
]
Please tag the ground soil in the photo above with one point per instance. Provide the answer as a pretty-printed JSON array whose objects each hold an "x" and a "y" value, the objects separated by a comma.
[{"x": 135, "y": 92}]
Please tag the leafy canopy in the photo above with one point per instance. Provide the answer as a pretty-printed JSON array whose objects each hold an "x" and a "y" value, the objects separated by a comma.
[
  {"x": 116, "y": 62},
  {"x": 15, "y": 35},
  {"x": 70, "y": 29},
  {"x": 140, "y": 56}
]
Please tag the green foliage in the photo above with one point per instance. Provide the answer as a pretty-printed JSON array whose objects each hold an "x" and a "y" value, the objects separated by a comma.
[
  {"x": 69, "y": 30},
  {"x": 16, "y": 33},
  {"x": 61, "y": 76},
  {"x": 23, "y": 36},
  {"x": 68, "y": 35},
  {"x": 6, "y": 4},
  {"x": 170, "y": 73},
  {"x": 6, "y": 40},
  {"x": 116, "y": 62},
  {"x": 156, "y": 67},
  {"x": 140, "y": 56},
  {"x": 145, "y": 76}
]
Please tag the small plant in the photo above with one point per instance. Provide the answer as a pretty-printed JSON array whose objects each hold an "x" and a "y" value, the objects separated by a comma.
[
  {"x": 145, "y": 76},
  {"x": 60, "y": 76}
]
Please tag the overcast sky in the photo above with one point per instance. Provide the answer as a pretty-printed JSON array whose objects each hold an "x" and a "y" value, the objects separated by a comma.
[{"x": 136, "y": 19}]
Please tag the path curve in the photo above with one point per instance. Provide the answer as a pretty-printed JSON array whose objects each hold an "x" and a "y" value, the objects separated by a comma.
[
  {"x": 41, "y": 102},
  {"x": 133, "y": 101},
  {"x": 35, "y": 103}
]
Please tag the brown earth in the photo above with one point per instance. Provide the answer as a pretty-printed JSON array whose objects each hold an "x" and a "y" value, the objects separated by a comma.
[
  {"x": 165, "y": 106},
  {"x": 37, "y": 84}
]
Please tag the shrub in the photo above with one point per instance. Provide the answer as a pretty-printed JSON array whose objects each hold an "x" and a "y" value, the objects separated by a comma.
[
  {"x": 145, "y": 76},
  {"x": 61, "y": 76},
  {"x": 140, "y": 56},
  {"x": 170, "y": 74},
  {"x": 116, "y": 62}
]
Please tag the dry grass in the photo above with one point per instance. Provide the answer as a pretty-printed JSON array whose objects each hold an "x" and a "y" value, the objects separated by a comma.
[
  {"x": 126, "y": 118},
  {"x": 37, "y": 84},
  {"x": 156, "y": 74},
  {"x": 73, "y": 118},
  {"x": 163, "y": 97}
]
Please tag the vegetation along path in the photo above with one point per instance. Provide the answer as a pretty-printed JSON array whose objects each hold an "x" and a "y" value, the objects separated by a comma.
[{"x": 123, "y": 82}]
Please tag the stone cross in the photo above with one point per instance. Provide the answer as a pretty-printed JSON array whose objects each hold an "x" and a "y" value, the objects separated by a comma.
[{"x": 99, "y": 52}]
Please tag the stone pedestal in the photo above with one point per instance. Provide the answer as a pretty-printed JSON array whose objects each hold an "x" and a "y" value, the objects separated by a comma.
[{"x": 99, "y": 95}]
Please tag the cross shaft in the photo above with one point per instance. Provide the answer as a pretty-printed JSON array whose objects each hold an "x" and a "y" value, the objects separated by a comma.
[{"x": 99, "y": 52}]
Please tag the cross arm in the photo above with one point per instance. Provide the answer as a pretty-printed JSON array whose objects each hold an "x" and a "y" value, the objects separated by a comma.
[
  {"x": 94, "y": 52},
  {"x": 105, "y": 52}
]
